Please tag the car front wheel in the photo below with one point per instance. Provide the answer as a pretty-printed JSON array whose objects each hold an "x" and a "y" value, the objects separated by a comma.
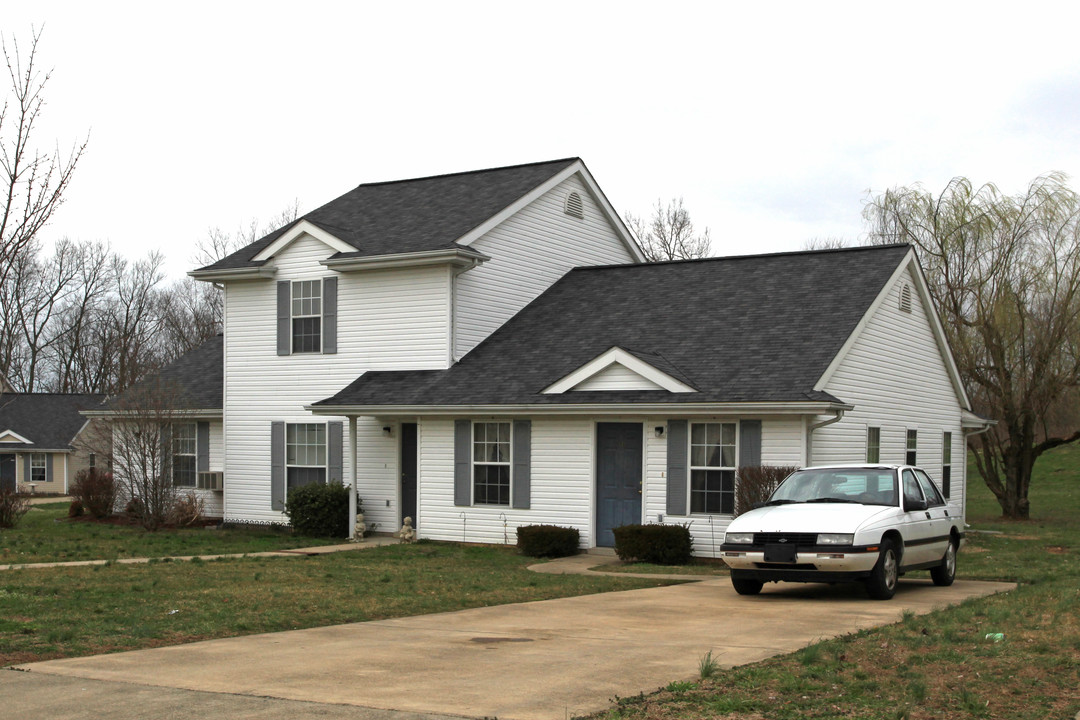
[
  {"x": 746, "y": 586},
  {"x": 881, "y": 585},
  {"x": 944, "y": 574}
]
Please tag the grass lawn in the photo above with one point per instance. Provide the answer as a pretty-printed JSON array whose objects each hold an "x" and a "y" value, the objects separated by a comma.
[
  {"x": 46, "y": 535},
  {"x": 939, "y": 665},
  {"x": 64, "y": 612}
]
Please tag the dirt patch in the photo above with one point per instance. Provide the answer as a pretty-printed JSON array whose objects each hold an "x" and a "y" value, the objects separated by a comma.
[{"x": 1057, "y": 549}]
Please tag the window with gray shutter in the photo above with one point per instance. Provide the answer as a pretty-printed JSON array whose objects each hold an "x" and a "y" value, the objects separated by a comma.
[
  {"x": 462, "y": 462},
  {"x": 521, "y": 477},
  {"x": 277, "y": 465}
]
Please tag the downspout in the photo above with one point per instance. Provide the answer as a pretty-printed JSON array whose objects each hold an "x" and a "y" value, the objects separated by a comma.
[
  {"x": 810, "y": 434},
  {"x": 352, "y": 477}
]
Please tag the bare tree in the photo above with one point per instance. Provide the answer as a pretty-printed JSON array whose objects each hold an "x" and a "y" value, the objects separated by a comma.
[
  {"x": 141, "y": 440},
  {"x": 669, "y": 233},
  {"x": 826, "y": 243},
  {"x": 219, "y": 244},
  {"x": 1004, "y": 273},
  {"x": 32, "y": 182}
]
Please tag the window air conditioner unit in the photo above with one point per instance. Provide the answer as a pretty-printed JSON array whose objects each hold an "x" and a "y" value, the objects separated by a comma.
[{"x": 210, "y": 480}]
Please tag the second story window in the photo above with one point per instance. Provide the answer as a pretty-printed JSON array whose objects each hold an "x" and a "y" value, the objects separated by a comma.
[{"x": 307, "y": 316}]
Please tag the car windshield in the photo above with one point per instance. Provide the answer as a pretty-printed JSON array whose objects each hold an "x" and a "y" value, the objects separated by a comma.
[{"x": 867, "y": 486}]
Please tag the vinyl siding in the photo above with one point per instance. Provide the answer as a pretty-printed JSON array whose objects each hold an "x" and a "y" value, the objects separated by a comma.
[
  {"x": 387, "y": 319},
  {"x": 561, "y": 485},
  {"x": 896, "y": 378},
  {"x": 616, "y": 377},
  {"x": 563, "y": 479},
  {"x": 529, "y": 252}
]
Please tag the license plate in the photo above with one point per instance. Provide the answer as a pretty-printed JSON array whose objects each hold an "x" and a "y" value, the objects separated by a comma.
[{"x": 778, "y": 553}]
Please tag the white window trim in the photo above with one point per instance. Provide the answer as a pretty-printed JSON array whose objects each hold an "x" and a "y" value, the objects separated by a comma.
[
  {"x": 473, "y": 462},
  {"x": 326, "y": 450},
  {"x": 690, "y": 467},
  {"x": 907, "y": 432},
  {"x": 44, "y": 466},
  {"x": 172, "y": 440},
  {"x": 622, "y": 357},
  {"x": 293, "y": 316},
  {"x": 869, "y": 427},
  {"x": 303, "y": 227}
]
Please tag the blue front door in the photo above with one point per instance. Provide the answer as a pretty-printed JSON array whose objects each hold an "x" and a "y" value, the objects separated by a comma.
[
  {"x": 618, "y": 478},
  {"x": 7, "y": 472}
]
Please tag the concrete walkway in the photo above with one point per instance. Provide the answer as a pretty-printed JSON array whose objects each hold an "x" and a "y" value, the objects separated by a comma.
[
  {"x": 530, "y": 661},
  {"x": 317, "y": 550}
]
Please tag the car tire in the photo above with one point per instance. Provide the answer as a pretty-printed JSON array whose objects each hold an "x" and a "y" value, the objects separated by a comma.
[
  {"x": 944, "y": 574},
  {"x": 746, "y": 586},
  {"x": 881, "y": 585}
]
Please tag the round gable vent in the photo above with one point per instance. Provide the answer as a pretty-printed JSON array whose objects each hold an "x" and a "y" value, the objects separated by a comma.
[{"x": 574, "y": 206}]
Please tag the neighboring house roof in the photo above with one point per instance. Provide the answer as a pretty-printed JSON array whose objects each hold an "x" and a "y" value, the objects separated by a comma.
[
  {"x": 408, "y": 216},
  {"x": 48, "y": 421},
  {"x": 196, "y": 379},
  {"x": 748, "y": 329}
]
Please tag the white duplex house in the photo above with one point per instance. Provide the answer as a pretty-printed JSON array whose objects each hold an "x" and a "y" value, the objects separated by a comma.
[{"x": 488, "y": 349}]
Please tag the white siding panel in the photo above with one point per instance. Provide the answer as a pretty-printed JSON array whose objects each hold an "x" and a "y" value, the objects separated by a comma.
[
  {"x": 561, "y": 485},
  {"x": 616, "y": 376},
  {"x": 529, "y": 252},
  {"x": 213, "y": 502},
  {"x": 896, "y": 378},
  {"x": 377, "y": 461},
  {"x": 387, "y": 320},
  {"x": 782, "y": 441}
]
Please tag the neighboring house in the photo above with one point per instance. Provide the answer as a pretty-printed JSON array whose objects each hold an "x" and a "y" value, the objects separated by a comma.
[
  {"x": 191, "y": 386},
  {"x": 44, "y": 440},
  {"x": 430, "y": 342}
]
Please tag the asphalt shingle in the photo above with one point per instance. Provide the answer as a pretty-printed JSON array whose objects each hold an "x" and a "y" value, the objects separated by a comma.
[
  {"x": 49, "y": 421},
  {"x": 405, "y": 216},
  {"x": 757, "y": 328}
]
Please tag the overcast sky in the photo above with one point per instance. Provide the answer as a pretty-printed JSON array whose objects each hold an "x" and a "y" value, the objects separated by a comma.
[{"x": 772, "y": 120}]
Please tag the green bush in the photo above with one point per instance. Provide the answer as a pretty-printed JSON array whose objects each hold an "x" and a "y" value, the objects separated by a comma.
[
  {"x": 657, "y": 544},
  {"x": 547, "y": 540},
  {"x": 319, "y": 510}
]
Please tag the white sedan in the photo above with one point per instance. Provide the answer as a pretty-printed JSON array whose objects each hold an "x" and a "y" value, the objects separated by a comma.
[{"x": 869, "y": 523}]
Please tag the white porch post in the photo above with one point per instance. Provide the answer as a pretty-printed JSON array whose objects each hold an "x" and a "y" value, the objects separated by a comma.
[{"x": 352, "y": 477}]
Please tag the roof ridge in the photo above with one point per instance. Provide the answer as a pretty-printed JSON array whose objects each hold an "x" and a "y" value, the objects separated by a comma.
[
  {"x": 755, "y": 256},
  {"x": 468, "y": 172}
]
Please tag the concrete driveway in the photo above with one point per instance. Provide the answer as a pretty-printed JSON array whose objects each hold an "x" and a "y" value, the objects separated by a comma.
[{"x": 548, "y": 659}]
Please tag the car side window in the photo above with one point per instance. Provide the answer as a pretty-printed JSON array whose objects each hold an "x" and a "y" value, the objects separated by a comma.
[
  {"x": 929, "y": 489},
  {"x": 912, "y": 494}
]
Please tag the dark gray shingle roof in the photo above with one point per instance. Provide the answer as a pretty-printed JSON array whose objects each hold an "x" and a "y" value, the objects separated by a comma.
[
  {"x": 741, "y": 329},
  {"x": 413, "y": 215},
  {"x": 49, "y": 421},
  {"x": 196, "y": 378}
]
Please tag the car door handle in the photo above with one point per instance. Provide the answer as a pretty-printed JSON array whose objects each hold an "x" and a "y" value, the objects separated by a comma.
[{"x": 928, "y": 516}]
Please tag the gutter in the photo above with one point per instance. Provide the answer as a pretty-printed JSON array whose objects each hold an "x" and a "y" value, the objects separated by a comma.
[
  {"x": 838, "y": 416},
  {"x": 672, "y": 409}
]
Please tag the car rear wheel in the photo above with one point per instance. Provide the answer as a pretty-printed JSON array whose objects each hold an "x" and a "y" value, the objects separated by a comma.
[
  {"x": 944, "y": 574},
  {"x": 881, "y": 585},
  {"x": 746, "y": 586}
]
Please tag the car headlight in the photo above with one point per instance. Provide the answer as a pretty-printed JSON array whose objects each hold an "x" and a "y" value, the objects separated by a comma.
[
  {"x": 835, "y": 538},
  {"x": 739, "y": 538}
]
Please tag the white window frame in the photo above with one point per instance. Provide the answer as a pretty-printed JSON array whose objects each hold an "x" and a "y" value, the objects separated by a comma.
[
  {"x": 306, "y": 445},
  {"x": 194, "y": 454},
  {"x": 946, "y": 463},
  {"x": 876, "y": 447},
  {"x": 908, "y": 449},
  {"x": 35, "y": 466},
  {"x": 508, "y": 463},
  {"x": 733, "y": 469},
  {"x": 294, "y": 315}
]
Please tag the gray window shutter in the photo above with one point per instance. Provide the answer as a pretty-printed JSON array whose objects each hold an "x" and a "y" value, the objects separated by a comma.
[
  {"x": 750, "y": 443},
  {"x": 202, "y": 446},
  {"x": 277, "y": 466},
  {"x": 462, "y": 462},
  {"x": 677, "y": 478},
  {"x": 329, "y": 315},
  {"x": 521, "y": 477},
  {"x": 284, "y": 317},
  {"x": 27, "y": 461},
  {"x": 334, "y": 432},
  {"x": 48, "y": 467}
]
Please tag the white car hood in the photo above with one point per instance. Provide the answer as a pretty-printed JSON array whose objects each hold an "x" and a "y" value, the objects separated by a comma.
[{"x": 807, "y": 518}]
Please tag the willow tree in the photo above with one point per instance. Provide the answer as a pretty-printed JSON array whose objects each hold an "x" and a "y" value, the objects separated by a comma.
[{"x": 1004, "y": 272}]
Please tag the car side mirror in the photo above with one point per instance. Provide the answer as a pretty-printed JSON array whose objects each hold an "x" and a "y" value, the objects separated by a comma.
[
  {"x": 757, "y": 505},
  {"x": 913, "y": 505}
]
